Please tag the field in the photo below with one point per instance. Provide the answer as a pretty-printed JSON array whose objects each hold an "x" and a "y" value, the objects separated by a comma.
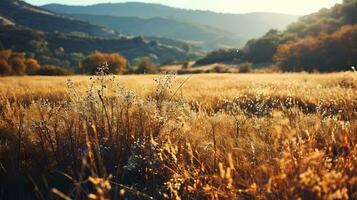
[{"x": 207, "y": 136}]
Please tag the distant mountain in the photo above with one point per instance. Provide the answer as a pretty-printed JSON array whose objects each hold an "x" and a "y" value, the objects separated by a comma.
[
  {"x": 202, "y": 35},
  {"x": 26, "y": 40},
  {"x": 15, "y": 12},
  {"x": 240, "y": 27},
  {"x": 59, "y": 40}
]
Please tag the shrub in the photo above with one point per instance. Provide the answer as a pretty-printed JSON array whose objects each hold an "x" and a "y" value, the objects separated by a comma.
[
  {"x": 186, "y": 65},
  {"x": 50, "y": 70},
  {"x": 5, "y": 68},
  {"x": 32, "y": 66},
  {"x": 145, "y": 67},
  {"x": 219, "y": 69},
  {"x": 221, "y": 55},
  {"x": 324, "y": 53},
  {"x": 116, "y": 63},
  {"x": 245, "y": 67},
  {"x": 14, "y": 63},
  {"x": 18, "y": 66}
]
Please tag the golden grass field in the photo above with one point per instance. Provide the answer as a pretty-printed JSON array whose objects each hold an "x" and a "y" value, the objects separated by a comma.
[{"x": 208, "y": 136}]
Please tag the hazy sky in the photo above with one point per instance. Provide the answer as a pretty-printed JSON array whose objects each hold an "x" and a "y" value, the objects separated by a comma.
[{"x": 232, "y": 6}]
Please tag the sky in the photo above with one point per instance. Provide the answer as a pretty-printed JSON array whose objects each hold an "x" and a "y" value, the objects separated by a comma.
[{"x": 299, "y": 7}]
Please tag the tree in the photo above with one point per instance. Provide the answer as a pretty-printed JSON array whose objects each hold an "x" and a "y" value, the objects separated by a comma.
[
  {"x": 5, "y": 68},
  {"x": 245, "y": 67},
  {"x": 348, "y": 11},
  {"x": 145, "y": 67},
  {"x": 32, "y": 66},
  {"x": 262, "y": 49},
  {"x": 116, "y": 63},
  {"x": 50, "y": 70},
  {"x": 186, "y": 65},
  {"x": 219, "y": 56},
  {"x": 5, "y": 54},
  {"x": 15, "y": 63},
  {"x": 325, "y": 21},
  {"x": 325, "y": 52},
  {"x": 18, "y": 66}
]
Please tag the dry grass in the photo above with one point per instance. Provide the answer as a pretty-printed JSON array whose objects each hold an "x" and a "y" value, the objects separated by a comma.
[{"x": 228, "y": 136}]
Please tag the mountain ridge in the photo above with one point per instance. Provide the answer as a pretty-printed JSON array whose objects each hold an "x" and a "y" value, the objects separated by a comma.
[
  {"x": 168, "y": 6},
  {"x": 240, "y": 25},
  {"x": 27, "y": 15},
  {"x": 206, "y": 37},
  {"x": 55, "y": 39}
]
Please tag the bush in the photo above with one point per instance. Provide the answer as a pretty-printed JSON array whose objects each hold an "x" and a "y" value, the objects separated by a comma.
[
  {"x": 50, "y": 70},
  {"x": 186, "y": 65},
  {"x": 5, "y": 68},
  {"x": 32, "y": 66},
  {"x": 145, "y": 67},
  {"x": 18, "y": 66},
  {"x": 221, "y": 55},
  {"x": 116, "y": 63},
  {"x": 219, "y": 69},
  {"x": 325, "y": 52},
  {"x": 245, "y": 67},
  {"x": 14, "y": 63}
]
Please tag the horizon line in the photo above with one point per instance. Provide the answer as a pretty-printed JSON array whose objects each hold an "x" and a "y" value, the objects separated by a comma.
[{"x": 189, "y": 9}]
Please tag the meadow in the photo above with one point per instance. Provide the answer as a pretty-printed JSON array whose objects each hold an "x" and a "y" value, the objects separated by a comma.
[{"x": 204, "y": 136}]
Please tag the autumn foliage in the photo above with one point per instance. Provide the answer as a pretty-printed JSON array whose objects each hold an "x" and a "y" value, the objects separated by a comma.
[
  {"x": 14, "y": 63},
  {"x": 325, "y": 52},
  {"x": 116, "y": 63}
]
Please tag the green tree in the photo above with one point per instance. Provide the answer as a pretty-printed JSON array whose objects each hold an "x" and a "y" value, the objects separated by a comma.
[{"x": 263, "y": 49}]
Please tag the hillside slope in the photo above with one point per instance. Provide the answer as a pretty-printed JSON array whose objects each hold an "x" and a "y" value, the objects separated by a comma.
[
  {"x": 29, "y": 40},
  {"x": 240, "y": 25},
  {"x": 324, "y": 41},
  {"x": 23, "y": 14},
  {"x": 204, "y": 36},
  {"x": 62, "y": 41}
]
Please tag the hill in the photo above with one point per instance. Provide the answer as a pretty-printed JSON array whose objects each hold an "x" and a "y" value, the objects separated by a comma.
[
  {"x": 23, "y": 14},
  {"x": 58, "y": 40},
  {"x": 41, "y": 43},
  {"x": 324, "y": 41},
  {"x": 241, "y": 26},
  {"x": 204, "y": 36}
]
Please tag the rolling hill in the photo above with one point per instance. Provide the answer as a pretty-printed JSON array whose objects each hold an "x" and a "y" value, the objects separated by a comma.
[
  {"x": 14, "y": 12},
  {"x": 323, "y": 41},
  {"x": 231, "y": 27},
  {"x": 201, "y": 35},
  {"x": 58, "y": 40},
  {"x": 25, "y": 40}
]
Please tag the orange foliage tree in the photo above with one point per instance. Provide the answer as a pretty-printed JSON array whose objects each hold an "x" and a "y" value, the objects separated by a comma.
[
  {"x": 325, "y": 52},
  {"x": 32, "y": 66},
  {"x": 13, "y": 63},
  {"x": 116, "y": 63}
]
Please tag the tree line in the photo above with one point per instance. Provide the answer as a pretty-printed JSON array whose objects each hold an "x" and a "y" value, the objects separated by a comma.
[
  {"x": 19, "y": 63},
  {"x": 324, "y": 41},
  {"x": 14, "y": 63}
]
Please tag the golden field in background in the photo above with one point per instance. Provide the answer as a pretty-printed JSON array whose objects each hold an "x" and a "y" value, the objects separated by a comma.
[
  {"x": 205, "y": 88},
  {"x": 205, "y": 136}
]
